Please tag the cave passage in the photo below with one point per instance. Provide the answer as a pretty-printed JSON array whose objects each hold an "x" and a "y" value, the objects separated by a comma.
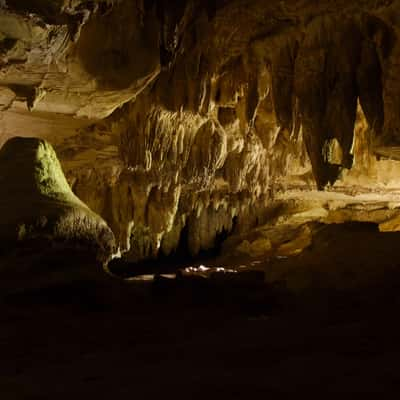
[{"x": 199, "y": 198}]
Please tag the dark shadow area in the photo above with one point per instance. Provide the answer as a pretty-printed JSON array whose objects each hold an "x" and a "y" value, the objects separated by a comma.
[
  {"x": 181, "y": 257},
  {"x": 237, "y": 339},
  {"x": 228, "y": 336}
]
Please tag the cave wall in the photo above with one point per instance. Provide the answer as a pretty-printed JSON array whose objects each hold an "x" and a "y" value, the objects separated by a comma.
[{"x": 188, "y": 116}]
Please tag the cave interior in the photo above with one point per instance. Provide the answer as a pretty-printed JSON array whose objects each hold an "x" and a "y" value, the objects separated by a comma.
[{"x": 199, "y": 198}]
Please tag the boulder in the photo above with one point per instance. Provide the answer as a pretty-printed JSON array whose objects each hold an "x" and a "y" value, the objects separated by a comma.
[{"x": 45, "y": 229}]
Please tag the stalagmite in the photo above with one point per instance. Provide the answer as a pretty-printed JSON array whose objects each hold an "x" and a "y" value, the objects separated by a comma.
[{"x": 41, "y": 217}]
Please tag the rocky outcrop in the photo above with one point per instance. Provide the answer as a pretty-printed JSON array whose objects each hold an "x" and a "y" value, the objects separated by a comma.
[
  {"x": 338, "y": 260},
  {"x": 207, "y": 108},
  {"x": 51, "y": 60},
  {"x": 40, "y": 215}
]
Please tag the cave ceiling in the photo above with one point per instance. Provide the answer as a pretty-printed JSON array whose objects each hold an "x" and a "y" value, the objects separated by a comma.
[{"x": 188, "y": 115}]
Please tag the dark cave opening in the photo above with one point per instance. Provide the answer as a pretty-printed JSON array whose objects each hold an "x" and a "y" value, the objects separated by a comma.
[{"x": 179, "y": 258}]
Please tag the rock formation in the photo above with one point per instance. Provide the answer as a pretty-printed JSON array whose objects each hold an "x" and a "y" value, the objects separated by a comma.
[
  {"x": 40, "y": 212},
  {"x": 178, "y": 122}
]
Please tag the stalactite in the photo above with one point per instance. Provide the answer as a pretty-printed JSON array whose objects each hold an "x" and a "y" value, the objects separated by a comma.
[{"x": 202, "y": 120}]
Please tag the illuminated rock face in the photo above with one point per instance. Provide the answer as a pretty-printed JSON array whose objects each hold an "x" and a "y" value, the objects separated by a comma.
[
  {"x": 178, "y": 121},
  {"x": 38, "y": 207}
]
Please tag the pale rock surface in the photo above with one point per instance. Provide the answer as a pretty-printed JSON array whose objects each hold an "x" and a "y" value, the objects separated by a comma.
[{"x": 180, "y": 122}]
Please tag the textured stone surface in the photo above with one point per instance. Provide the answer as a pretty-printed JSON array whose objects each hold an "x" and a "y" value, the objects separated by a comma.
[
  {"x": 40, "y": 215},
  {"x": 191, "y": 115}
]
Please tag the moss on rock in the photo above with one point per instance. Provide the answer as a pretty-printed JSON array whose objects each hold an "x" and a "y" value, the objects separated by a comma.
[{"x": 37, "y": 204}]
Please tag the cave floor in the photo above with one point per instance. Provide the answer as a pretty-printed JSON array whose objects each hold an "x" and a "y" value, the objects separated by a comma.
[
  {"x": 155, "y": 349},
  {"x": 201, "y": 338},
  {"x": 225, "y": 336}
]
